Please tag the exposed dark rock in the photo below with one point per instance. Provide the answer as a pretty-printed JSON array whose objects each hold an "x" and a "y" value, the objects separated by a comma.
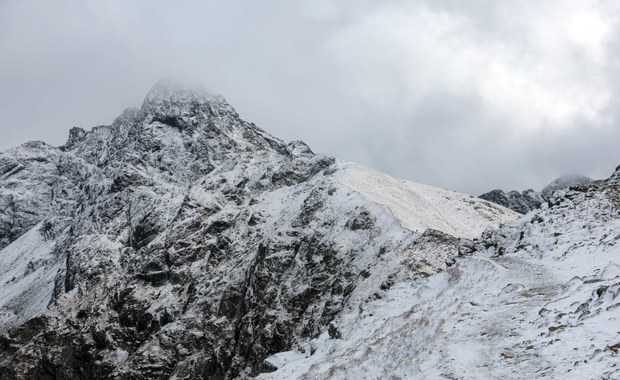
[
  {"x": 333, "y": 331},
  {"x": 76, "y": 135},
  {"x": 528, "y": 200},
  {"x": 520, "y": 202}
]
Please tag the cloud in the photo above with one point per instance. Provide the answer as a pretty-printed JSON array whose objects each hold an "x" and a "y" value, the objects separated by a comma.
[
  {"x": 529, "y": 83},
  {"x": 466, "y": 95},
  {"x": 543, "y": 73}
]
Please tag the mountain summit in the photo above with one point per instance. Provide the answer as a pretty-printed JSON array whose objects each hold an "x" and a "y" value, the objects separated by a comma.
[{"x": 184, "y": 242}]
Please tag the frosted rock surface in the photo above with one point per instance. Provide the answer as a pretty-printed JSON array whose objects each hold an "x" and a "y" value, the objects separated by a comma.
[{"x": 184, "y": 242}]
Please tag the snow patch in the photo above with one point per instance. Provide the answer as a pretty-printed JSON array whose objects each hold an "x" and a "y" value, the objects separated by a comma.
[
  {"x": 420, "y": 207},
  {"x": 28, "y": 268}
]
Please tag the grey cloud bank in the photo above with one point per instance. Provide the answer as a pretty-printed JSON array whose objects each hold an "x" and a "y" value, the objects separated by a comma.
[{"x": 466, "y": 95}]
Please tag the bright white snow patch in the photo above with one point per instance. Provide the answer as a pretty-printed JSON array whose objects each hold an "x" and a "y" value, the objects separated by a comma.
[
  {"x": 27, "y": 272},
  {"x": 420, "y": 207}
]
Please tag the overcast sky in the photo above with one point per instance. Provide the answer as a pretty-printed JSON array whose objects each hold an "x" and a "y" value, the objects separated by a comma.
[{"x": 467, "y": 95}]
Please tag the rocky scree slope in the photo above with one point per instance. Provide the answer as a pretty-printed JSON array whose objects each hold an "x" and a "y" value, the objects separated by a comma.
[
  {"x": 536, "y": 298},
  {"x": 183, "y": 242},
  {"x": 528, "y": 200}
]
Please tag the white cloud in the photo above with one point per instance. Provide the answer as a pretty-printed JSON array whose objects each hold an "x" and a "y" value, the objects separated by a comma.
[
  {"x": 464, "y": 94},
  {"x": 544, "y": 68}
]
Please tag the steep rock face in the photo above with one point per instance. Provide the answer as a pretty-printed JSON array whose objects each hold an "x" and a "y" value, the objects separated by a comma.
[
  {"x": 37, "y": 181},
  {"x": 538, "y": 297},
  {"x": 522, "y": 203},
  {"x": 528, "y": 200},
  {"x": 183, "y": 241}
]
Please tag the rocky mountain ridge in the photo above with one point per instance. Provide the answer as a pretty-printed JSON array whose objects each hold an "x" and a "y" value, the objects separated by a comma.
[
  {"x": 538, "y": 297},
  {"x": 184, "y": 242},
  {"x": 528, "y": 200}
]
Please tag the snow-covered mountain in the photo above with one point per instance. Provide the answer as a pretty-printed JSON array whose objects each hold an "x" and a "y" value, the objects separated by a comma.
[
  {"x": 539, "y": 297},
  {"x": 528, "y": 200},
  {"x": 183, "y": 242}
]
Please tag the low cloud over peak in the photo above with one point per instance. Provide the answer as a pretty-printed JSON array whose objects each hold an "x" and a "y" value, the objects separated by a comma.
[{"x": 469, "y": 96}]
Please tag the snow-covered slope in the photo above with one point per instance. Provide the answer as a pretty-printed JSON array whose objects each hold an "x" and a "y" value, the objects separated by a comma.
[
  {"x": 27, "y": 272},
  {"x": 419, "y": 207},
  {"x": 539, "y": 297},
  {"x": 185, "y": 242}
]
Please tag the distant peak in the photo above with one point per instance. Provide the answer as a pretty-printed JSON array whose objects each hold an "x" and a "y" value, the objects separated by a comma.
[
  {"x": 167, "y": 88},
  {"x": 572, "y": 178},
  {"x": 171, "y": 91},
  {"x": 169, "y": 98},
  {"x": 564, "y": 182}
]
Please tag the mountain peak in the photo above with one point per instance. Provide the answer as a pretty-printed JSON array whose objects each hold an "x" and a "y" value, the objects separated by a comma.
[
  {"x": 168, "y": 88},
  {"x": 564, "y": 181},
  {"x": 172, "y": 99}
]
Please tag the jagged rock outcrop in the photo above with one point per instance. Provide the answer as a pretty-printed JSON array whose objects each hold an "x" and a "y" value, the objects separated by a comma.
[
  {"x": 182, "y": 241},
  {"x": 528, "y": 200},
  {"x": 522, "y": 203}
]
